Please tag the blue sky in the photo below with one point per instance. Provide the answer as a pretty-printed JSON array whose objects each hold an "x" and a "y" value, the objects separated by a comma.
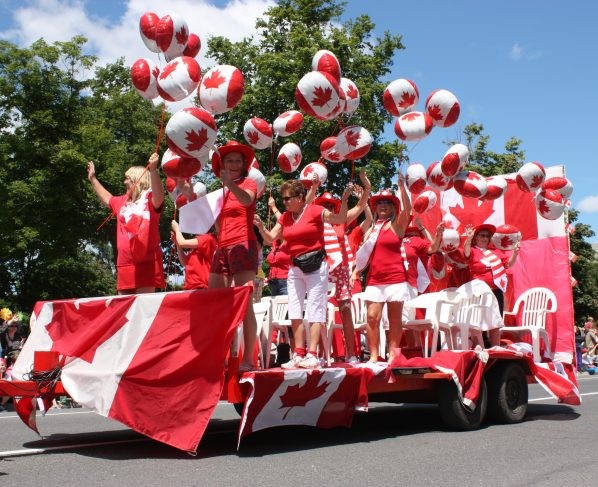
[{"x": 521, "y": 68}]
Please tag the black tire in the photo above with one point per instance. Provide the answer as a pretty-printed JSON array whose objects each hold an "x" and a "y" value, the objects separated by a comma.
[
  {"x": 507, "y": 393},
  {"x": 456, "y": 416},
  {"x": 239, "y": 407}
]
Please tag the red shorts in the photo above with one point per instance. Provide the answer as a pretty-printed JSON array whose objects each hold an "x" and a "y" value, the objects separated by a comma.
[
  {"x": 145, "y": 274},
  {"x": 236, "y": 258}
]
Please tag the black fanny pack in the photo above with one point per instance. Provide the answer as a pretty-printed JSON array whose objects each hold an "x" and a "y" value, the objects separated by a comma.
[{"x": 310, "y": 261}]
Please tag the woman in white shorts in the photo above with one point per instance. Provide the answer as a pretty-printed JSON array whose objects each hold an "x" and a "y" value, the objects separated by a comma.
[
  {"x": 301, "y": 226},
  {"x": 387, "y": 280}
]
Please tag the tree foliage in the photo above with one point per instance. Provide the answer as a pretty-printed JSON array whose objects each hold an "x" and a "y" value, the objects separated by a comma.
[{"x": 280, "y": 53}]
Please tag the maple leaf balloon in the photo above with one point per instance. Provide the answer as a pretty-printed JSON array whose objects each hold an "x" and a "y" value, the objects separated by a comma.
[
  {"x": 415, "y": 178},
  {"x": 317, "y": 94},
  {"x": 425, "y": 202},
  {"x": 289, "y": 157},
  {"x": 147, "y": 30},
  {"x": 530, "y": 177},
  {"x": 506, "y": 236},
  {"x": 179, "y": 78},
  {"x": 400, "y": 97},
  {"x": 443, "y": 108},
  {"x": 550, "y": 204},
  {"x": 328, "y": 150},
  {"x": 326, "y": 61},
  {"x": 221, "y": 89},
  {"x": 560, "y": 185},
  {"x": 193, "y": 46},
  {"x": 288, "y": 123},
  {"x": 497, "y": 187},
  {"x": 191, "y": 132},
  {"x": 353, "y": 142},
  {"x": 306, "y": 176},
  {"x": 413, "y": 126},
  {"x": 144, "y": 77},
  {"x": 470, "y": 184},
  {"x": 455, "y": 160},
  {"x": 351, "y": 95},
  {"x": 171, "y": 35},
  {"x": 177, "y": 167},
  {"x": 437, "y": 179},
  {"x": 258, "y": 133},
  {"x": 450, "y": 240}
]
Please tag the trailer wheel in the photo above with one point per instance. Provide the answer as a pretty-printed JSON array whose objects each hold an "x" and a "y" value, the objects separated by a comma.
[
  {"x": 507, "y": 393},
  {"x": 239, "y": 407},
  {"x": 454, "y": 414}
]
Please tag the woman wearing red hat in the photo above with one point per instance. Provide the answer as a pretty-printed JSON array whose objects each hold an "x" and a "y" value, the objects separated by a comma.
[
  {"x": 301, "y": 226},
  {"x": 387, "y": 280},
  {"x": 139, "y": 264},
  {"x": 488, "y": 265},
  {"x": 340, "y": 275},
  {"x": 236, "y": 258}
]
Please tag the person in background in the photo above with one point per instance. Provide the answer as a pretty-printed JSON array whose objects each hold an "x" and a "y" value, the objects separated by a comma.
[
  {"x": 196, "y": 255},
  {"x": 139, "y": 262}
]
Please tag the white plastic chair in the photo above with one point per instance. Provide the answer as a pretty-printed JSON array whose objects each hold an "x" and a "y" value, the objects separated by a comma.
[
  {"x": 279, "y": 306},
  {"x": 261, "y": 311},
  {"x": 532, "y": 306},
  {"x": 473, "y": 312},
  {"x": 359, "y": 313}
]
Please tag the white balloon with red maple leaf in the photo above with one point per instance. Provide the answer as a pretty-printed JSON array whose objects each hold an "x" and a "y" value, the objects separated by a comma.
[
  {"x": 179, "y": 78},
  {"x": 425, "y": 202},
  {"x": 171, "y": 35},
  {"x": 289, "y": 157},
  {"x": 144, "y": 75},
  {"x": 287, "y": 123},
  {"x": 307, "y": 173},
  {"x": 506, "y": 237},
  {"x": 353, "y": 142},
  {"x": 258, "y": 133},
  {"x": 221, "y": 89},
  {"x": 191, "y": 132},
  {"x": 328, "y": 150},
  {"x": 415, "y": 178}
]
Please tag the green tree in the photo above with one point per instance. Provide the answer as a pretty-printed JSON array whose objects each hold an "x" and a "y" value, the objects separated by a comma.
[
  {"x": 54, "y": 117},
  {"x": 273, "y": 62}
]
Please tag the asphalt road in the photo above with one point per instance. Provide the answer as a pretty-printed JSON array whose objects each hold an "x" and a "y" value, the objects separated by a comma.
[{"x": 389, "y": 445}]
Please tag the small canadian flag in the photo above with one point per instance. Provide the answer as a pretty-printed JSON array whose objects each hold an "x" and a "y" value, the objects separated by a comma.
[
  {"x": 572, "y": 256},
  {"x": 573, "y": 282},
  {"x": 570, "y": 229}
]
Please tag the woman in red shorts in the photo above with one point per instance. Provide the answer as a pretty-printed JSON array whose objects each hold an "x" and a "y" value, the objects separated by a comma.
[
  {"x": 302, "y": 228},
  {"x": 236, "y": 258},
  {"x": 139, "y": 266}
]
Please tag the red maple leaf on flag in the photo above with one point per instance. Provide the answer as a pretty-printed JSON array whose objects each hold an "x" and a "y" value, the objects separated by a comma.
[
  {"x": 156, "y": 71},
  {"x": 506, "y": 242},
  {"x": 410, "y": 117},
  {"x": 253, "y": 137},
  {"x": 181, "y": 36},
  {"x": 438, "y": 180},
  {"x": 473, "y": 212},
  {"x": 449, "y": 224},
  {"x": 214, "y": 80},
  {"x": 334, "y": 156},
  {"x": 196, "y": 138},
  {"x": 284, "y": 115},
  {"x": 407, "y": 99},
  {"x": 435, "y": 112},
  {"x": 537, "y": 180},
  {"x": 352, "y": 137},
  {"x": 322, "y": 96},
  {"x": 352, "y": 92},
  {"x": 168, "y": 69},
  {"x": 297, "y": 158},
  {"x": 299, "y": 396},
  {"x": 308, "y": 170},
  {"x": 543, "y": 207},
  {"x": 474, "y": 176}
]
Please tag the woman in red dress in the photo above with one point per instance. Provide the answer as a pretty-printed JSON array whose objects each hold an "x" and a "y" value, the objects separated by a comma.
[
  {"x": 139, "y": 266},
  {"x": 196, "y": 255}
]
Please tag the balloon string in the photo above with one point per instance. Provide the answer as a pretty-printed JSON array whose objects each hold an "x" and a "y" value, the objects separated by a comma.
[
  {"x": 128, "y": 193},
  {"x": 172, "y": 251},
  {"x": 273, "y": 146}
]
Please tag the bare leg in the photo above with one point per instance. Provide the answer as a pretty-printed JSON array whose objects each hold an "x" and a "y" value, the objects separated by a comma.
[
  {"x": 298, "y": 333},
  {"x": 348, "y": 330},
  {"x": 374, "y": 312},
  {"x": 249, "y": 323},
  {"x": 395, "y": 325},
  {"x": 314, "y": 337},
  {"x": 494, "y": 337}
]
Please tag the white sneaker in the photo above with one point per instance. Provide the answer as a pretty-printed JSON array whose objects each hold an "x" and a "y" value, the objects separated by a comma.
[
  {"x": 310, "y": 362},
  {"x": 353, "y": 360},
  {"x": 293, "y": 363}
]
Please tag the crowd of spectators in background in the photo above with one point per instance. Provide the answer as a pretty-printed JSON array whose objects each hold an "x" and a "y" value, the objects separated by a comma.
[{"x": 13, "y": 333}]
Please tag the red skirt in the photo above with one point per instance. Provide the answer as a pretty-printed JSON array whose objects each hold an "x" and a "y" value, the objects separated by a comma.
[{"x": 145, "y": 274}]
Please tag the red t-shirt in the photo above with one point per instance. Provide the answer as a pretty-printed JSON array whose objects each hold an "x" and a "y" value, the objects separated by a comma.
[
  {"x": 199, "y": 260},
  {"x": 355, "y": 238},
  {"x": 306, "y": 234},
  {"x": 137, "y": 230},
  {"x": 236, "y": 220},
  {"x": 386, "y": 263},
  {"x": 279, "y": 262},
  {"x": 416, "y": 248},
  {"x": 479, "y": 270}
]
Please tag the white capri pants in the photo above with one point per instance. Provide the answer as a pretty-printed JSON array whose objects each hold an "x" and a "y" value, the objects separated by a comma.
[{"x": 315, "y": 284}]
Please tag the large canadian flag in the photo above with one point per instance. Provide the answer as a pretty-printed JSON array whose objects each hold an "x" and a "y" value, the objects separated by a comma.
[
  {"x": 544, "y": 255},
  {"x": 154, "y": 362}
]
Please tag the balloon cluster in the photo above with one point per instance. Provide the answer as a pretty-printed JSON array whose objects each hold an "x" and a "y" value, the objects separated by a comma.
[{"x": 191, "y": 132}]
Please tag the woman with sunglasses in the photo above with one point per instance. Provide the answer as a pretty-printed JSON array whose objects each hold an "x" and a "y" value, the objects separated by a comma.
[
  {"x": 488, "y": 265},
  {"x": 387, "y": 278},
  {"x": 301, "y": 226}
]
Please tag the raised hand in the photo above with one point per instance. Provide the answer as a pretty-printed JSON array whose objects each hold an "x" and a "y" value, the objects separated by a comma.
[
  {"x": 91, "y": 170},
  {"x": 153, "y": 162}
]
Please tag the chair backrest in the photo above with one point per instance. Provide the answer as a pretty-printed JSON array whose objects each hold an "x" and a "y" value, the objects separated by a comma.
[
  {"x": 533, "y": 305},
  {"x": 476, "y": 309},
  {"x": 261, "y": 311},
  {"x": 280, "y": 307},
  {"x": 358, "y": 309}
]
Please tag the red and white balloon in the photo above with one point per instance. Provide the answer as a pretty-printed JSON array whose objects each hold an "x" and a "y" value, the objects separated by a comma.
[
  {"x": 437, "y": 179},
  {"x": 259, "y": 179},
  {"x": 193, "y": 46},
  {"x": 289, "y": 157},
  {"x": 317, "y": 94},
  {"x": 351, "y": 95},
  {"x": 147, "y": 29},
  {"x": 144, "y": 75},
  {"x": 497, "y": 187},
  {"x": 258, "y": 133},
  {"x": 221, "y": 89},
  {"x": 530, "y": 177},
  {"x": 550, "y": 204},
  {"x": 413, "y": 126},
  {"x": 171, "y": 35},
  {"x": 415, "y": 178},
  {"x": 425, "y": 202},
  {"x": 307, "y": 174},
  {"x": 400, "y": 97},
  {"x": 443, "y": 108},
  {"x": 559, "y": 184},
  {"x": 177, "y": 167},
  {"x": 450, "y": 240},
  {"x": 327, "y": 62},
  {"x": 179, "y": 78},
  {"x": 353, "y": 142},
  {"x": 454, "y": 160},
  {"x": 191, "y": 132},
  {"x": 288, "y": 123},
  {"x": 328, "y": 150},
  {"x": 506, "y": 237},
  {"x": 470, "y": 184}
]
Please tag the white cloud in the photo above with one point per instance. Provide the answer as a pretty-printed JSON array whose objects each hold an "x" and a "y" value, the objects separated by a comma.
[
  {"x": 109, "y": 39},
  {"x": 516, "y": 52},
  {"x": 588, "y": 204}
]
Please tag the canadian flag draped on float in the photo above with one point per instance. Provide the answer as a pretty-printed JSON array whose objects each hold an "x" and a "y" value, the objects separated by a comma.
[{"x": 150, "y": 361}]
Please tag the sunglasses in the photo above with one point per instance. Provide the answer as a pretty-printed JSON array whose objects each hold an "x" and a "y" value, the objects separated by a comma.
[{"x": 287, "y": 198}]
